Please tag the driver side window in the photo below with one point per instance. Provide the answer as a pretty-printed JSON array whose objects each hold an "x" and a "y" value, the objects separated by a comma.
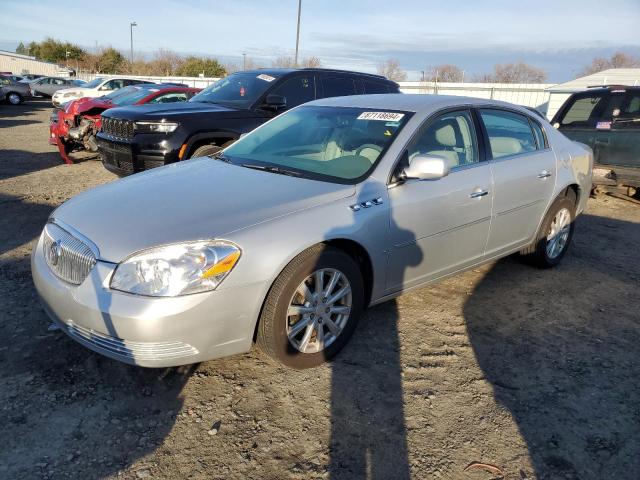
[
  {"x": 450, "y": 135},
  {"x": 297, "y": 90}
]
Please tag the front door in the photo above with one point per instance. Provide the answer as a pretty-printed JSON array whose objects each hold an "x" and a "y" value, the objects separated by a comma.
[
  {"x": 440, "y": 226},
  {"x": 524, "y": 174}
]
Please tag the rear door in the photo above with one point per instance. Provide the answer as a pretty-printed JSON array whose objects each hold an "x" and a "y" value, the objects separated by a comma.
[
  {"x": 524, "y": 173},
  {"x": 335, "y": 85},
  {"x": 579, "y": 117}
]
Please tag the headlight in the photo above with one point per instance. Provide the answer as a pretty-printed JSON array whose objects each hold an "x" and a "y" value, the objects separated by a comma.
[
  {"x": 155, "y": 127},
  {"x": 70, "y": 94},
  {"x": 178, "y": 269}
]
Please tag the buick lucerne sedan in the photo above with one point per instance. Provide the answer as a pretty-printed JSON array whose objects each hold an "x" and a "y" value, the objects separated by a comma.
[{"x": 284, "y": 237}]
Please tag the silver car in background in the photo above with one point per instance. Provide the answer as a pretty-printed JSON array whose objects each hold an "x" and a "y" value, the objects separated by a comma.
[{"x": 288, "y": 234}]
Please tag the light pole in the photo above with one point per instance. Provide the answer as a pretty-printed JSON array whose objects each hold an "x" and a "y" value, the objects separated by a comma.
[
  {"x": 298, "y": 31},
  {"x": 244, "y": 61},
  {"x": 66, "y": 56},
  {"x": 131, "y": 25}
]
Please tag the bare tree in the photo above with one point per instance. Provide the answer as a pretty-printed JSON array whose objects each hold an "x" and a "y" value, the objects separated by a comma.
[
  {"x": 289, "y": 62},
  {"x": 390, "y": 68},
  {"x": 617, "y": 60},
  {"x": 513, "y": 73},
  {"x": 445, "y": 73}
]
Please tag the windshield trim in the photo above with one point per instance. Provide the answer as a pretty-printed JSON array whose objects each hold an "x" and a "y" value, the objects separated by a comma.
[{"x": 321, "y": 177}]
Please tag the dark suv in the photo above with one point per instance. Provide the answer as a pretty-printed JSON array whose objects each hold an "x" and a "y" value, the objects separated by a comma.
[
  {"x": 608, "y": 120},
  {"x": 133, "y": 139}
]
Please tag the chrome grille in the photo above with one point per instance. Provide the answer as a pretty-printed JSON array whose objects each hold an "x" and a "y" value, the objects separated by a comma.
[
  {"x": 117, "y": 127},
  {"x": 68, "y": 257},
  {"x": 148, "y": 351}
]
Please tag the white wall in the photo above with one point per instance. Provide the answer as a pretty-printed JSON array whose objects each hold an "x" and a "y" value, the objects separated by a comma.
[{"x": 530, "y": 95}]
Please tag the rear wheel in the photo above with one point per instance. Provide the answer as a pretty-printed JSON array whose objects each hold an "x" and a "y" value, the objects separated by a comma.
[
  {"x": 14, "y": 98},
  {"x": 555, "y": 234},
  {"x": 312, "y": 308}
]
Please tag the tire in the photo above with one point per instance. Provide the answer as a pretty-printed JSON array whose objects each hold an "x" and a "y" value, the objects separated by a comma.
[
  {"x": 14, "y": 98},
  {"x": 547, "y": 251},
  {"x": 205, "y": 151},
  {"x": 276, "y": 324}
]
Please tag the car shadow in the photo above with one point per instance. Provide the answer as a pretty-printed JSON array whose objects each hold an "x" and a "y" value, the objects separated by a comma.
[
  {"x": 56, "y": 394},
  {"x": 368, "y": 430},
  {"x": 567, "y": 374}
]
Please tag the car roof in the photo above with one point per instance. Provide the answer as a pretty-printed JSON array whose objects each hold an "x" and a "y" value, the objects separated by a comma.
[
  {"x": 278, "y": 72},
  {"x": 411, "y": 102},
  {"x": 608, "y": 88}
]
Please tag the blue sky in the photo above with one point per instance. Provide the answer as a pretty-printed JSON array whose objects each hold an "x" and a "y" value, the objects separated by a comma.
[{"x": 560, "y": 36}]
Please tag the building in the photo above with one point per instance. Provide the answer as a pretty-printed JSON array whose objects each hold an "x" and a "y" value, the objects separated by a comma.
[
  {"x": 559, "y": 93},
  {"x": 23, "y": 64}
]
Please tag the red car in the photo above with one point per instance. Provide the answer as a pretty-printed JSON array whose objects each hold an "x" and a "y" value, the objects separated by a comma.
[{"x": 75, "y": 126}]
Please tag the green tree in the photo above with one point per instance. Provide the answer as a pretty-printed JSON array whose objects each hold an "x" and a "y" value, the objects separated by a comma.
[
  {"x": 52, "y": 50},
  {"x": 110, "y": 60},
  {"x": 194, "y": 66},
  {"x": 21, "y": 49}
]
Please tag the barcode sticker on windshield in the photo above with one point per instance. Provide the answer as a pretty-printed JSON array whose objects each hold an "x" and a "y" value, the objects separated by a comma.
[
  {"x": 266, "y": 78},
  {"x": 382, "y": 116}
]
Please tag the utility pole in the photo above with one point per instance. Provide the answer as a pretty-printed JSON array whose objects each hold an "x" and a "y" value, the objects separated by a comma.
[
  {"x": 244, "y": 61},
  {"x": 131, "y": 25},
  {"x": 298, "y": 32}
]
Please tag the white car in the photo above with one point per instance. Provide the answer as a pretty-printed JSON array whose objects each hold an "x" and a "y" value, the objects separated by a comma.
[{"x": 95, "y": 88}]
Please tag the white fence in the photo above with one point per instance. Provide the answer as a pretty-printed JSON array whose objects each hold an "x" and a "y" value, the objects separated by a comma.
[{"x": 529, "y": 95}]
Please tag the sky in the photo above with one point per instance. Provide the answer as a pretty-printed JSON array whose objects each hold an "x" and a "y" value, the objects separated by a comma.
[{"x": 559, "y": 36}]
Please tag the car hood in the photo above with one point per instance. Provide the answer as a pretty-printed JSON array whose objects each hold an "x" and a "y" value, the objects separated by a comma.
[
  {"x": 170, "y": 110},
  {"x": 191, "y": 200},
  {"x": 85, "y": 104},
  {"x": 79, "y": 90}
]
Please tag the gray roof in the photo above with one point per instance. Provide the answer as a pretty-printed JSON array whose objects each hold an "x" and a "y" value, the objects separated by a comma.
[
  {"x": 613, "y": 76},
  {"x": 421, "y": 103}
]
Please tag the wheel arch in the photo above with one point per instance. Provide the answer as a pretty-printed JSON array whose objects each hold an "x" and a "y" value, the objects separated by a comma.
[
  {"x": 207, "y": 138},
  {"x": 352, "y": 248}
]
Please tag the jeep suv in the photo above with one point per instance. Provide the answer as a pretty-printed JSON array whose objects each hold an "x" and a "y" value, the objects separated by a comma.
[
  {"x": 133, "y": 139},
  {"x": 607, "y": 119}
]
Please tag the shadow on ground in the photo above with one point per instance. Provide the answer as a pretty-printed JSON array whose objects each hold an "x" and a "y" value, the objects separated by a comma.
[{"x": 567, "y": 375}]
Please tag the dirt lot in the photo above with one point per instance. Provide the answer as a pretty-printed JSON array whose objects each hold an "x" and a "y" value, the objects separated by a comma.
[{"x": 534, "y": 372}]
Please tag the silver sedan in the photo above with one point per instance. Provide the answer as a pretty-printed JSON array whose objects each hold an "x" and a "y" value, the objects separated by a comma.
[{"x": 287, "y": 235}]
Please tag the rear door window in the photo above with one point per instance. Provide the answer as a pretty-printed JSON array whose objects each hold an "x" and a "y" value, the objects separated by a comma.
[
  {"x": 584, "y": 110},
  {"x": 297, "y": 90},
  {"x": 338, "y": 86},
  {"x": 371, "y": 87},
  {"x": 509, "y": 132}
]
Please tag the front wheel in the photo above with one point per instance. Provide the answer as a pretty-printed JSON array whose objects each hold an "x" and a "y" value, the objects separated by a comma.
[
  {"x": 555, "y": 234},
  {"x": 312, "y": 308}
]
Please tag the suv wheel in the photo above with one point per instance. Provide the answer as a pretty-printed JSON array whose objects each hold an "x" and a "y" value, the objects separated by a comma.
[
  {"x": 206, "y": 151},
  {"x": 312, "y": 308},
  {"x": 554, "y": 236},
  {"x": 14, "y": 98}
]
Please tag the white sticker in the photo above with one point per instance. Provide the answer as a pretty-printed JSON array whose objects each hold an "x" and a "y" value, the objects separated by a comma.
[
  {"x": 382, "y": 116},
  {"x": 603, "y": 126},
  {"x": 266, "y": 78}
]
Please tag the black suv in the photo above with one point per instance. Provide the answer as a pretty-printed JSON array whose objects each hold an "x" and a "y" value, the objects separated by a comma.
[
  {"x": 608, "y": 120},
  {"x": 133, "y": 139}
]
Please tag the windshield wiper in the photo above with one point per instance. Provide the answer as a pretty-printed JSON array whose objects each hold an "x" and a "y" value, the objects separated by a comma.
[
  {"x": 272, "y": 169},
  {"x": 221, "y": 156}
]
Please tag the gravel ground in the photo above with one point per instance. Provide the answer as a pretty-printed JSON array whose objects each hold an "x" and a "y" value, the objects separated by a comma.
[{"x": 533, "y": 373}]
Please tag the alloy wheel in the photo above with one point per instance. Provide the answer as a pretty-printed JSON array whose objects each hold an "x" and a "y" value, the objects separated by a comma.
[
  {"x": 558, "y": 233},
  {"x": 14, "y": 98},
  {"x": 319, "y": 310}
]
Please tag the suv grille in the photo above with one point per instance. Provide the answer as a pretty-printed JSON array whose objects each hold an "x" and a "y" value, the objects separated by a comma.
[
  {"x": 117, "y": 128},
  {"x": 68, "y": 257}
]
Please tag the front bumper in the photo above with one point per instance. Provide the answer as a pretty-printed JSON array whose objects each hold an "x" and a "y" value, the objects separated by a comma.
[
  {"x": 144, "y": 331},
  {"x": 124, "y": 157}
]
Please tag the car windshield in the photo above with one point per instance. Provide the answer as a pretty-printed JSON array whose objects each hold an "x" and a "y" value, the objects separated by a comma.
[
  {"x": 93, "y": 83},
  {"x": 239, "y": 90},
  {"x": 337, "y": 144},
  {"x": 130, "y": 95}
]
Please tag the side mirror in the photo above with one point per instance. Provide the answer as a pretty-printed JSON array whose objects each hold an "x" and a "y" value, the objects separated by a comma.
[
  {"x": 427, "y": 167},
  {"x": 275, "y": 102}
]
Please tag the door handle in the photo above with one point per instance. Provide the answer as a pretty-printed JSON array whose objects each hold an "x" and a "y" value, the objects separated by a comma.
[
  {"x": 477, "y": 193},
  {"x": 544, "y": 174}
]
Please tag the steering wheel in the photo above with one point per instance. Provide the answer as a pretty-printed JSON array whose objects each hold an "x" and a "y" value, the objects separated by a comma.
[{"x": 369, "y": 146}]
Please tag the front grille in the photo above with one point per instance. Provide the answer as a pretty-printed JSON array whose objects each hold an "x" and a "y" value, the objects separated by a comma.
[
  {"x": 68, "y": 257},
  {"x": 115, "y": 155},
  {"x": 148, "y": 351},
  {"x": 117, "y": 127}
]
